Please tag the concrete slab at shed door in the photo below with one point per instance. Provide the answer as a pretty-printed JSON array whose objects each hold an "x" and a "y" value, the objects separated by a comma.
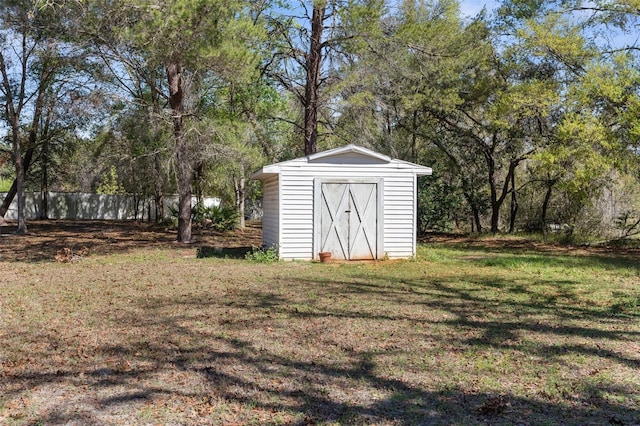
[{"x": 348, "y": 213}]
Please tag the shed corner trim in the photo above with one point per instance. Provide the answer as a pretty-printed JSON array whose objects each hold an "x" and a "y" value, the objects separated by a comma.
[{"x": 266, "y": 172}]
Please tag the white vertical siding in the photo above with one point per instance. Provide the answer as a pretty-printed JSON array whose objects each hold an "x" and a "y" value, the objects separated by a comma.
[
  {"x": 289, "y": 216},
  {"x": 297, "y": 216},
  {"x": 399, "y": 216},
  {"x": 271, "y": 212}
]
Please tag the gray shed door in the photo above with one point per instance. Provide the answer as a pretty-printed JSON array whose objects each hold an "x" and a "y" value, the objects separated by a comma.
[{"x": 348, "y": 220}]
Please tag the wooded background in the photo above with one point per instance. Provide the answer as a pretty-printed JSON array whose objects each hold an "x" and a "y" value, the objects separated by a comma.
[{"x": 528, "y": 113}]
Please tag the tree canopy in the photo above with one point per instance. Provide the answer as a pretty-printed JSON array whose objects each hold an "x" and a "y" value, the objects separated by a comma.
[{"x": 528, "y": 113}]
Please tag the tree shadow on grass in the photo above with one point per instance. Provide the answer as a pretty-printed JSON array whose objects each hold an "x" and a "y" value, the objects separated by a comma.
[
  {"x": 294, "y": 355},
  {"x": 314, "y": 393},
  {"x": 203, "y": 252},
  {"x": 529, "y": 254},
  {"x": 258, "y": 351}
]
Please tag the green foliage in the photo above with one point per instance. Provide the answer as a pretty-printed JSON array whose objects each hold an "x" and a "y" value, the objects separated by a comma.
[
  {"x": 211, "y": 35},
  {"x": 238, "y": 154},
  {"x": 5, "y": 184},
  {"x": 109, "y": 184},
  {"x": 172, "y": 221},
  {"x": 219, "y": 218},
  {"x": 263, "y": 255},
  {"x": 439, "y": 204},
  {"x": 626, "y": 305},
  {"x": 535, "y": 91},
  {"x": 197, "y": 212}
]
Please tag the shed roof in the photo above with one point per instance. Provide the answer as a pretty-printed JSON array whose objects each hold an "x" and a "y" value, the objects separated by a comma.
[{"x": 335, "y": 155}]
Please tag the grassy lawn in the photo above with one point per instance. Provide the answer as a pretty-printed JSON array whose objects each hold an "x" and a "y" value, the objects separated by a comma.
[{"x": 464, "y": 334}]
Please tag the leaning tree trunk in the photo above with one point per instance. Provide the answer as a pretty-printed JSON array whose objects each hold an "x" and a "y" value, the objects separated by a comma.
[
  {"x": 514, "y": 205},
  {"x": 44, "y": 165},
  {"x": 11, "y": 194},
  {"x": 13, "y": 112},
  {"x": 545, "y": 205},
  {"x": 184, "y": 169},
  {"x": 19, "y": 167},
  {"x": 313, "y": 61},
  {"x": 158, "y": 169}
]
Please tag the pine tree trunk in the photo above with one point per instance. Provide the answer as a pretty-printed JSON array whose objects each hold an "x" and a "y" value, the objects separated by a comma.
[
  {"x": 22, "y": 223},
  {"x": 184, "y": 168},
  {"x": 158, "y": 172},
  {"x": 414, "y": 138},
  {"x": 313, "y": 61}
]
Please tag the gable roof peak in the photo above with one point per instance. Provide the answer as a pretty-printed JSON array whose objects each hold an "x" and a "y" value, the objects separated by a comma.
[{"x": 348, "y": 149}]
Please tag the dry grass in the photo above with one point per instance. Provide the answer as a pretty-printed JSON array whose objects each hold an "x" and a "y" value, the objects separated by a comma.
[{"x": 141, "y": 331}]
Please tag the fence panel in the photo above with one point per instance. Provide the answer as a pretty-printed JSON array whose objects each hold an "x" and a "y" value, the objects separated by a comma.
[{"x": 75, "y": 205}]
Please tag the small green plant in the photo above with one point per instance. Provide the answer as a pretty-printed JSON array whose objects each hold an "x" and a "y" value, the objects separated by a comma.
[
  {"x": 219, "y": 218},
  {"x": 197, "y": 212},
  {"x": 5, "y": 184},
  {"x": 222, "y": 218},
  {"x": 626, "y": 305},
  {"x": 263, "y": 255},
  {"x": 109, "y": 184},
  {"x": 171, "y": 222}
]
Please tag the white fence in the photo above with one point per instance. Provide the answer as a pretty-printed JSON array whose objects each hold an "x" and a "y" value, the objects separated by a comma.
[{"x": 75, "y": 205}]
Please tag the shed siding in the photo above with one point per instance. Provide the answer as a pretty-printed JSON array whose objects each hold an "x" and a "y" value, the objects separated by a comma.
[
  {"x": 296, "y": 190},
  {"x": 271, "y": 212},
  {"x": 297, "y": 218},
  {"x": 399, "y": 217}
]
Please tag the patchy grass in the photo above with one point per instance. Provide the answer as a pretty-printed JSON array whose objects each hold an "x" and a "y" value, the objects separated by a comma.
[{"x": 470, "y": 332}]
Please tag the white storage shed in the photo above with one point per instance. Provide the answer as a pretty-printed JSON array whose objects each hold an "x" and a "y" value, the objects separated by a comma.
[{"x": 350, "y": 201}]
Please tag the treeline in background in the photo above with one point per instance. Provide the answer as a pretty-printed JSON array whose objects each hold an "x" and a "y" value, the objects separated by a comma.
[{"x": 528, "y": 112}]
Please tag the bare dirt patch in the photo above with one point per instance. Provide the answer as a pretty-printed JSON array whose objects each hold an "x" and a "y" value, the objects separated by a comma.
[{"x": 47, "y": 239}]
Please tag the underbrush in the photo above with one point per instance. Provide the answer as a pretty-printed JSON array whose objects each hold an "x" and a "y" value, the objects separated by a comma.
[
  {"x": 219, "y": 218},
  {"x": 263, "y": 255}
]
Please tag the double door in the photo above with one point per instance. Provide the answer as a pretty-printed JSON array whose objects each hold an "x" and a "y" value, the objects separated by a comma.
[{"x": 348, "y": 219}]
